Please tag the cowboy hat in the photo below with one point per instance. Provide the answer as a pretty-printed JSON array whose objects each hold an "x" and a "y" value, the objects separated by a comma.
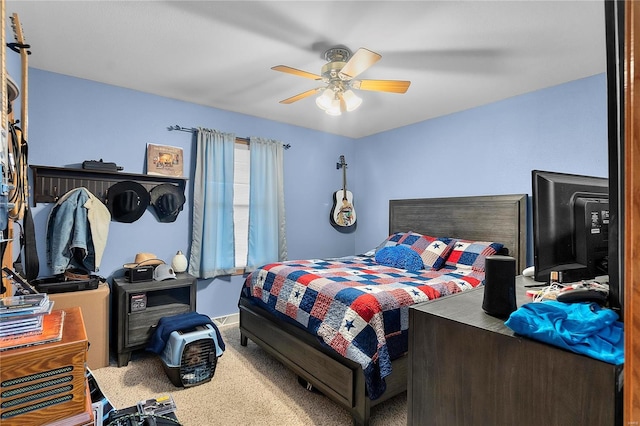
[
  {"x": 127, "y": 201},
  {"x": 144, "y": 259},
  {"x": 167, "y": 201}
]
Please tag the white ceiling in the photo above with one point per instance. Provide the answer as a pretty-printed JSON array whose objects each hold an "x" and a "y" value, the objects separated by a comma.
[{"x": 456, "y": 54}]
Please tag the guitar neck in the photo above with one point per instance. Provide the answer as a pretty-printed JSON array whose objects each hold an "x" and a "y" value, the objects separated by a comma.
[
  {"x": 3, "y": 72},
  {"x": 344, "y": 182},
  {"x": 24, "y": 80},
  {"x": 24, "y": 99}
]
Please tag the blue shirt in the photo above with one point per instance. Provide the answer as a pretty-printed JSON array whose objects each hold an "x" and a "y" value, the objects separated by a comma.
[{"x": 585, "y": 328}]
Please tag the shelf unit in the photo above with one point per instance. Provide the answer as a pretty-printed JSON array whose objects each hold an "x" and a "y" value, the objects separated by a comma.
[{"x": 49, "y": 183}]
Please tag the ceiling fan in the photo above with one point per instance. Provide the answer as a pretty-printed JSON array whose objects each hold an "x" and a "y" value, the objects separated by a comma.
[{"x": 339, "y": 78}]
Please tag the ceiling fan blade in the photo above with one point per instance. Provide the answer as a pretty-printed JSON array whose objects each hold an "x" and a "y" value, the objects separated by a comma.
[
  {"x": 299, "y": 96},
  {"x": 393, "y": 86},
  {"x": 360, "y": 61},
  {"x": 294, "y": 71}
]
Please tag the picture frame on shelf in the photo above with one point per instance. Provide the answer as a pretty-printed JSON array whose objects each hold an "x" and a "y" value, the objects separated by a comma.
[{"x": 163, "y": 160}]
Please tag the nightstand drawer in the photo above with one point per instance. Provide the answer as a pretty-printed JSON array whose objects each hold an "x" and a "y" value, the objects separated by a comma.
[{"x": 142, "y": 324}]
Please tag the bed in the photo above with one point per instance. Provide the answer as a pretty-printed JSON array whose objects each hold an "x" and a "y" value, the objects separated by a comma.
[{"x": 338, "y": 365}]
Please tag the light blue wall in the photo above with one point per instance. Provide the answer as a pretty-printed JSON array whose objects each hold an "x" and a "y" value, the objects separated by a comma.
[{"x": 486, "y": 150}]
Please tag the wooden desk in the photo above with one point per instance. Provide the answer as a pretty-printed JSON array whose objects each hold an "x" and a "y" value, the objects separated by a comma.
[
  {"x": 468, "y": 368},
  {"x": 44, "y": 383}
]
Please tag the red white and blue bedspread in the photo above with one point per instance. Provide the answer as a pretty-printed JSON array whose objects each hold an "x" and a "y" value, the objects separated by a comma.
[{"x": 355, "y": 306}]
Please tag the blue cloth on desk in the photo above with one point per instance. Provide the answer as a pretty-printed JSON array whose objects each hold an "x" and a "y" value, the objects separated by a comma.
[
  {"x": 168, "y": 325},
  {"x": 585, "y": 328}
]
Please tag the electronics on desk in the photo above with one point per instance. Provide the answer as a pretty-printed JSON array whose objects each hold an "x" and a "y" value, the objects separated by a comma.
[
  {"x": 140, "y": 273},
  {"x": 585, "y": 291},
  {"x": 499, "y": 286},
  {"x": 582, "y": 294},
  {"x": 593, "y": 291},
  {"x": 570, "y": 225}
]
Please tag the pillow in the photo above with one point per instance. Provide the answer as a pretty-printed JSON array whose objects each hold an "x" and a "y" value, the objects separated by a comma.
[
  {"x": 467, "y": 254},
  {"x": 409, "y": 238},
  {"x": 392, "y": 240},
  {"x": 400, "y": 256},
  {"x": 433, "y": 251}
]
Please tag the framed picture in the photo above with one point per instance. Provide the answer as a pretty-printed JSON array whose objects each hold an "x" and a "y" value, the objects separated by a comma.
[{"x": 164, "y": 160}]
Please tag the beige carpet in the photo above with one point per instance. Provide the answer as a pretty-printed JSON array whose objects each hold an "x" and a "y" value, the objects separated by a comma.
[{"x": 249, "y": 388}]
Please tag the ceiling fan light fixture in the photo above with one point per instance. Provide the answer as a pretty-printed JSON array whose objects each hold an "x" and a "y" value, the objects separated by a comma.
[
  {"x": 334, "y": 109},
  {"x": 325, "y": 99},
  {"x": 352, "y": 100}
]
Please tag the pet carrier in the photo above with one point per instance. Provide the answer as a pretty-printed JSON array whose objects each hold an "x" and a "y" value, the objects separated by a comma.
[{"x": 190, "y": 356}]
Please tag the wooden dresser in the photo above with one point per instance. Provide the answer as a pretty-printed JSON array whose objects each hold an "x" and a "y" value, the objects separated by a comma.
[
  {"x": 468, "y": 368},
  {"x": 45, "y": 383}
]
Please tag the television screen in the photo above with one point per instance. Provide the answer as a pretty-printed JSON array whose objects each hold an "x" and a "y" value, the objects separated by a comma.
[{"x": 570, "y": 225}]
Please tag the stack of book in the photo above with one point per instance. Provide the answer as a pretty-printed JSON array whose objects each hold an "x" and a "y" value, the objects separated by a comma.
[{"x": 28, "y": 319}]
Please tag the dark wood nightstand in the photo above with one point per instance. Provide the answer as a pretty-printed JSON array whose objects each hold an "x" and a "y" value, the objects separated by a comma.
[
  {"x": 137, "y": 308},
  {"x": 468, "y": 368}
]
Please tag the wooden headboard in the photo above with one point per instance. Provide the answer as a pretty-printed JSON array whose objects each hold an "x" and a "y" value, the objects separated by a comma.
[{"x": 499, "y": 218}]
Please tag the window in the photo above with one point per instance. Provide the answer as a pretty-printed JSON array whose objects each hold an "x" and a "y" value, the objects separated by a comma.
[
  {"x": 241, "y": 169},
  {"x": 213, "y": 250}
]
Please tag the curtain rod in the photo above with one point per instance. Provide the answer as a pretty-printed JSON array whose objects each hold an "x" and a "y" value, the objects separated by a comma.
[{"x": 192, "y": 129}]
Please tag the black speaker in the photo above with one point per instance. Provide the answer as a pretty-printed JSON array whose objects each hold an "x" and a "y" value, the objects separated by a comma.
[{"x": 499, "y": 286}]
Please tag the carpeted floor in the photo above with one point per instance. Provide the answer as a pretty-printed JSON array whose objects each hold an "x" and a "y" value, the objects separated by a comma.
[{"x": 249, "y": 388}]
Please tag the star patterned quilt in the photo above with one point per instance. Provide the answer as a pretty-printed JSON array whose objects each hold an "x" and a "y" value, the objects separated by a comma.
[{"x": 354, "y": 305}]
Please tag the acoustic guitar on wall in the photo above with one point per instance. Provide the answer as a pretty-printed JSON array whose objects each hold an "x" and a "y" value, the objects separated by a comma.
[{"x": 343, "y": 214}]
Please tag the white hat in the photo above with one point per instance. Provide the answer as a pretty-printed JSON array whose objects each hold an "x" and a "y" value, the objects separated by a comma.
[{"x": 163, "y": 272}]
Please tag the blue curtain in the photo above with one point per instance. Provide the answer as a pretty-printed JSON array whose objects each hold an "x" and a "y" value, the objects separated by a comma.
[
  {"x": 212, "y": 245},
  {"x": 267, "y": 242}
]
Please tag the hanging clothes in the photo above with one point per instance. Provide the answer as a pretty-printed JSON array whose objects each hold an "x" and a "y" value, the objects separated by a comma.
[{"x": 77, "y": 230}]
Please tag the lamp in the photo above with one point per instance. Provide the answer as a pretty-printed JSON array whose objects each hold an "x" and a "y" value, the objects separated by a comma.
[
  {"x": 324, "y": 101},
  {"x": 334, "y": 109},
  {"x": 329, "y": 102},
  {"x": 351, "y": 100}
]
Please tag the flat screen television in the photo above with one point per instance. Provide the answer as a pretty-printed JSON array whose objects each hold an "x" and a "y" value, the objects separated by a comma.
[
  {"x": 614, "y": 14},
  {"x": 570, "y": 225}
]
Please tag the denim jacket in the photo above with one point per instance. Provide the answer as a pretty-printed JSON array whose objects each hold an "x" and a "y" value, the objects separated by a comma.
[{"x": 77, "y": 231}]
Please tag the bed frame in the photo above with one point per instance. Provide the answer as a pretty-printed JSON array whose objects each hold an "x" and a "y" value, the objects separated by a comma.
[{"x": 498, "y": 218}]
